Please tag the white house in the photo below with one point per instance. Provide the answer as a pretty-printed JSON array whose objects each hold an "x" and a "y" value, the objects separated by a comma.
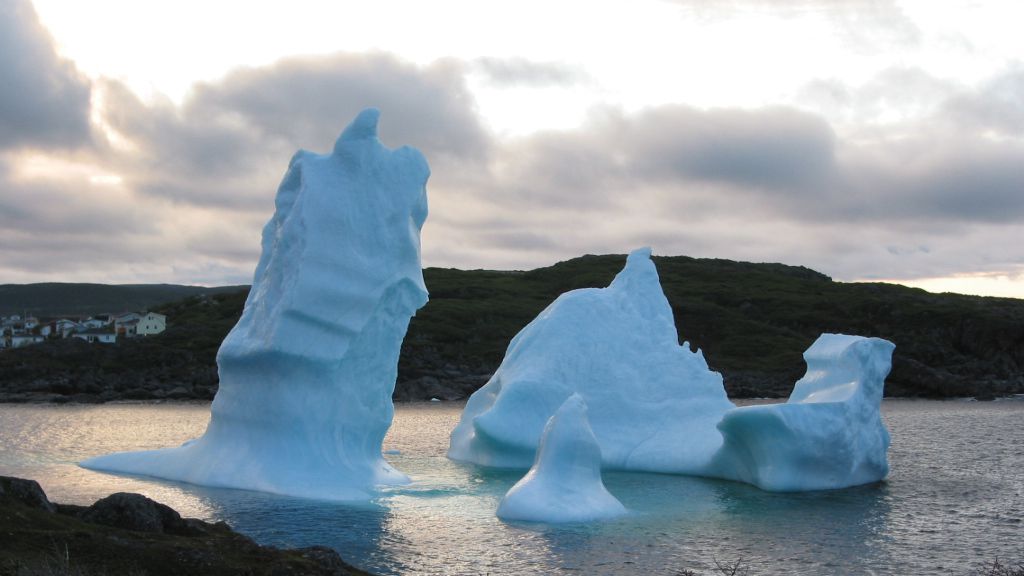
[
  {"x": 125, "y": 324},
  {"x": 65, "y": 327},
  {"x": 128, "y": 329},
  {"x": 20, "y": 340},
  {"x": 94, "y": 323},
  {"x": 151, "y": 323},
  {"x": 102, "y": 335},
  {"x": 125, "y": 317}
]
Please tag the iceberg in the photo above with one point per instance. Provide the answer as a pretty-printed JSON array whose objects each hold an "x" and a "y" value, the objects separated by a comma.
[
  {"x": 652, "y": 404},
  {"x": 829, "y": 434},
  {"x": 306, "y": 375},
  {"x": 564, "y": 484}
]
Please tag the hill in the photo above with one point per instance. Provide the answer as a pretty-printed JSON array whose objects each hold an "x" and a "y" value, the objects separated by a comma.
[
  {"x": 53, "y": 299},
  {"x": 753, "y": 322}
]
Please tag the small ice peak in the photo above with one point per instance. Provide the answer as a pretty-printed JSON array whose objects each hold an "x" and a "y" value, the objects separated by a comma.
[
  {"x": 363, "y": 127},
  {"x": 574, "y": 411},
  {"x": 564, "y": 484}
]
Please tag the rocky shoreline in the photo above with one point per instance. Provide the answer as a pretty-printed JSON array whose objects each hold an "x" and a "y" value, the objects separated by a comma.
[{"x": 130, "y": 534}]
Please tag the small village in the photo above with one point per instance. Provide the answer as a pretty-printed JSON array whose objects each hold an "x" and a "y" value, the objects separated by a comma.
[{"x": 18, "y": 331}]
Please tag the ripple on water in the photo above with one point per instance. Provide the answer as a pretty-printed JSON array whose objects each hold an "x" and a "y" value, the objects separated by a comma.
[{"x": 953, "y": 500}]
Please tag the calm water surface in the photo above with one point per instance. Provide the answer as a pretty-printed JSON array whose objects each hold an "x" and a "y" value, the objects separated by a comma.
[{"x": 954, "y": 498}]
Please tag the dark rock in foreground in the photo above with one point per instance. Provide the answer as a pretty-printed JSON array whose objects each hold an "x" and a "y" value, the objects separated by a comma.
[{"x": 131, "y": 534}]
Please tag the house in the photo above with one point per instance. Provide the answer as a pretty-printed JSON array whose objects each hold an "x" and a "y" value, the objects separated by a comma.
[
  {"x": 125, "y": 317},
  {"x": 10, "y": 323},
  {"x": 102, "y": 335},
  {"x": 105, "y": 328},
  {"x": 24, "y": 339},
  {"x": 128, "y": 329},
  {"x": 125, "y": 324},
  {"x": 92, "y": 323},
  {"x": 151, "y": 323},
  {"x": 65, "y": 327}
]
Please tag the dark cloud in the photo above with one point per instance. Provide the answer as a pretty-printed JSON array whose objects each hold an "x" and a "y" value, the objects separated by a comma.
[
  {"x": 933, "y": 195},
  {"x": 568, "y": 169},
  {"x": 44, "y": 101},
  {"x": 59, "y": 207},
  {"x": 773, "y": 148},
  {"x": 997, "y": 106},
  {"x": 520, "y": 72},
  {"x": 770, "y": 184},
  {"x": 670, "y": 152},
  {"x": 231, "y": 140},
  {"x": 311, "y": 99},
  {"x": 192, "y": 155},
  {"x": 55, "y": 228},
  {"x": 977, "y": 181}
]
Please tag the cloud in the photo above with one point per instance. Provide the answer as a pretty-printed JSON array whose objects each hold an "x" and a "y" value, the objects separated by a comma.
[
  {"x": 232, "y": 138},
  {"x": 771, "y": 148},
  {"x": 997, "y": 106},
  {"x": 972, "y": 180},
  {"x": 66, "y": 229},
  {"x": 604, "y": 163},
  {"x": 776, "y": 184},
  {"x": 45, "y": 100},
  {"x": 520, "y": 72},
  {"x": 868, "y": 25},
  {"x": 56, "y": 226},
  {"x": 309, "y": 99},
  {"x": 852, "y": 198},
  {"x": 898, "y": 92},
  {"x": 195, "y": 182}
]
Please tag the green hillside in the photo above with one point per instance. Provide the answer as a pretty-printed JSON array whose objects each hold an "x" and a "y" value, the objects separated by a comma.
[
  {"x": 753, "y": 322},
  {"x": 53, "y": 299}
]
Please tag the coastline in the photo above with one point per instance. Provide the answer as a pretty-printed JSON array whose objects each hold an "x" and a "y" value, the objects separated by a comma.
[{"x": 58, "y": 400}]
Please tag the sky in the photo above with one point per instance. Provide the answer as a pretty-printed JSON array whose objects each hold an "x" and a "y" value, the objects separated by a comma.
[{"x": 867, "y": 139}]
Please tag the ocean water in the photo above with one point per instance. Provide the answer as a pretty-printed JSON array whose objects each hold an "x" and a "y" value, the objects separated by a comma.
[{"x": 953, "y": 500}]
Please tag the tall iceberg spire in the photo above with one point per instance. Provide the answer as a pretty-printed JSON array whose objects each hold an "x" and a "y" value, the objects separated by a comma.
[{"x": 306, "y": 375}]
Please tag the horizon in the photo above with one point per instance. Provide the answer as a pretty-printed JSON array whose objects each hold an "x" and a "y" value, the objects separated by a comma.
[
  {"x": 870, "y": 142},
  {"x": 927, "y": 287}
]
